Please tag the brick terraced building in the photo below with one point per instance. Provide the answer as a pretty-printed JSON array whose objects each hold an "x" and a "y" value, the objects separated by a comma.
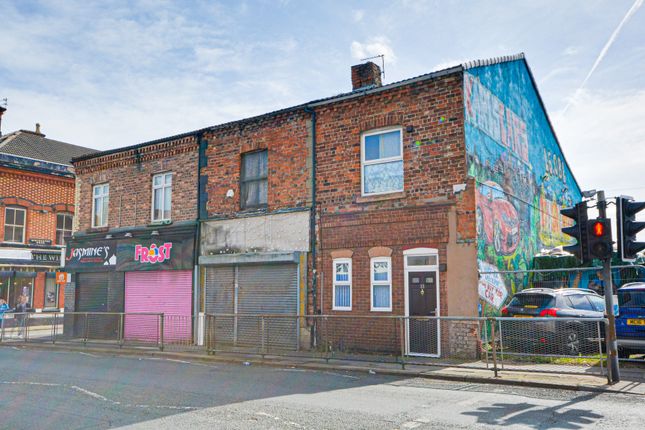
[
  {"x": 389, "y": 200},
  {"x": 36, "y": 215}
]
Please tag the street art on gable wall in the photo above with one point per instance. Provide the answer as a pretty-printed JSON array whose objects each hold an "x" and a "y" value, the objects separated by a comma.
[{"x": 521, "y": 175}]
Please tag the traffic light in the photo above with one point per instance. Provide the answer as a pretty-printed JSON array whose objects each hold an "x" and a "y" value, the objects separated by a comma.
[
  {"x": 599, "y": 243},
  {"x": 578, "y": 214},
  {"x": 628, "y": 227}
]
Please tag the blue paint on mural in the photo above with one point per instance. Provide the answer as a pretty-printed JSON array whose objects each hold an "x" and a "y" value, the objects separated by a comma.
[{"x": 522, "y": 178}]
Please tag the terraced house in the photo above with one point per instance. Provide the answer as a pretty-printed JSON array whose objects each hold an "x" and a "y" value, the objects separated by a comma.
[{"x": 387, "y": 200}]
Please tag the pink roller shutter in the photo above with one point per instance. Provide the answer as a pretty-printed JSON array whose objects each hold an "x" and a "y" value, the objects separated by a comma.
[{"x": 168, "y": 292}]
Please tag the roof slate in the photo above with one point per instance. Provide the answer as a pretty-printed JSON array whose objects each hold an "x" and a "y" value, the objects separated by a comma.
[{"x": 28, "y": 144}]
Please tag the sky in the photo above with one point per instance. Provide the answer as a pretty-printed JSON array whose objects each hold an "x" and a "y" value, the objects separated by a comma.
[{"x": 111, "y": 74}]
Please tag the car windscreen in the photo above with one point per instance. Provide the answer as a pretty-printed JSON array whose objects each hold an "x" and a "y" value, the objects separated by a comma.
[
  {"x": 532, "y": 300},
  {"x": 631, "y": 298}
]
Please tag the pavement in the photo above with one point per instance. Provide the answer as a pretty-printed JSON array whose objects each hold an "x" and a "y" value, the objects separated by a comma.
[
  {"x": 75, "y": 389},
  {"x": 632, "y": 377}
]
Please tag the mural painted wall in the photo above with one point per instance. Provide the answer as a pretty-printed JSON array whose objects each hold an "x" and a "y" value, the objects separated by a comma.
[{"x": 521, "y": 175}]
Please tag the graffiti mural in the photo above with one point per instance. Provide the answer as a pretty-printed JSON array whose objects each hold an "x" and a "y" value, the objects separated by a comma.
[{"x": 522, "y": 177}]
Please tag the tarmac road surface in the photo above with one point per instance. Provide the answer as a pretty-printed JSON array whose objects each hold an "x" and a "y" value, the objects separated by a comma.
[{"x": 72, "y": 390}]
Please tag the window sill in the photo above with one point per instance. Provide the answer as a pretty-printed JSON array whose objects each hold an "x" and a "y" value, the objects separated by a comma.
[
  {"x": 381, "y": 197},
  {"x": 160, "y": 223},
  {"x": 342, "y": 309},
  {"x": 381, "y": 310}
]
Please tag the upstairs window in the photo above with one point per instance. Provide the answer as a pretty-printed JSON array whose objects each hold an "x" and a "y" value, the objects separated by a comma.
[
  {"x": 342, "y": 284},
  {"x": 14, "y": 224},
  {"x": 101, "y": 201},
  {"x": 161, "y": 197},
  {"x": 254, "y": 180},
  {"x": 63, "y": 227},
  {"x": 382, "y": 162}
]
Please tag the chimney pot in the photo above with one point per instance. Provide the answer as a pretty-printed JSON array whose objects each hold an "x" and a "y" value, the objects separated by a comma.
[
  {"x": 38, "y": 128},
  {"x": 366, "y": 75}
]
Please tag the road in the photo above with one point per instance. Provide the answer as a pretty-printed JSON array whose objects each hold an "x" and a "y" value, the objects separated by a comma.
[{"x": 71, "y": 390}]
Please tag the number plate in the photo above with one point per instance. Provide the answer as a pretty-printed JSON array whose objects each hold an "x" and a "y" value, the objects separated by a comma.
[
  {"x": 522, "y": 316},
  {"x": 635, "y": 322}
]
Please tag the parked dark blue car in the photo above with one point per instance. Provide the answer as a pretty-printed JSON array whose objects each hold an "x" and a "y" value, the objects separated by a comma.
[{"x": 630, "y": 324}]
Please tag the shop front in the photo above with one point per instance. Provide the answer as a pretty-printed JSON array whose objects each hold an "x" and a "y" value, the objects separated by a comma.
[
  {"x": 147, "y": 273},
  {"x": 31, "y": 273}
]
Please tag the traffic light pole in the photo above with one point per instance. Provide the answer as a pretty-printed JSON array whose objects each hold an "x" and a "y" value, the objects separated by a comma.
[{"x": 610, "y": 332}]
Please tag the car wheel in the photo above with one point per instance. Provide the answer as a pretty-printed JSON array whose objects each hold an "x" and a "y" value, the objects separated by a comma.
[
  {"x": 572, "y": 342},
  {"x": 497, "y": 238}
]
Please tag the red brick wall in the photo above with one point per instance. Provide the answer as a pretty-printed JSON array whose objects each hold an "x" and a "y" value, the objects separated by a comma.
[
  {"x": 285, "y": 136},
  {"x": 417, "y": 217},
  {"x": 130, "y": 173},
  {"x": 43, "y": 196}
]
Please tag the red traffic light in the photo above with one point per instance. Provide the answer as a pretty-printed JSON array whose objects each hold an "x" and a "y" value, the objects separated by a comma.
[{"x": 598, "y": 229}]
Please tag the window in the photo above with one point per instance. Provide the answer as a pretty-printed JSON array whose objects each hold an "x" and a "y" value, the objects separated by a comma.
[
  {"x": 381, "y": 276},
  {"x": 382, "y": 162},
  {"x": 101, "y": 200},
  {"x": 342, "y": 284},
  {"x": 254, "y": 183},
  {"x": 51, "y": 293},
  {"x": 161, "y": 196},
  {"x": 63, "y": 228},
  {"x": 598, "y": 303},
  {"x": 579, "y": 301},
  {"x": 14, "y": 224}
]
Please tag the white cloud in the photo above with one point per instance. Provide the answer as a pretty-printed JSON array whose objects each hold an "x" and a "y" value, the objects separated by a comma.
[
  {"x": 358, "y": 15},
  {"x": 603, "y": 137},
  {"x": 379, "y": 45},
  {"x": 448, "y": 63}
]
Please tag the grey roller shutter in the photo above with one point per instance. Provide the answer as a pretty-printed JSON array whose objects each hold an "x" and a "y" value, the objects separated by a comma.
[
  {"x": 92, "y": 297},
  {"x": 219, "y": 298},
  {"x": 269, "y": 289}
]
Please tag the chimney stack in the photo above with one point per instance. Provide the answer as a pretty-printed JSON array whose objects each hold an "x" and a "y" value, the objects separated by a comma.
[{"x": 366, "y": 75}]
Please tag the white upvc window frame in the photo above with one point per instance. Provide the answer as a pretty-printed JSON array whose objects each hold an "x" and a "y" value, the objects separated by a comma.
[
  {"x": 336, "y": 283},
  {"x": 102, "y": 195},
  {"x": 14, "y": 225},
  {"x": 64, "y": 230},
  {"x": 164, "y": 184},
  {"x": 380, "y": 160},
  {"x": 388, "y": 282}
]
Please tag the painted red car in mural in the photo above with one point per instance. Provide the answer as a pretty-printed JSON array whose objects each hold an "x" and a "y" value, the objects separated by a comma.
[{"x": 497, "y": 218}]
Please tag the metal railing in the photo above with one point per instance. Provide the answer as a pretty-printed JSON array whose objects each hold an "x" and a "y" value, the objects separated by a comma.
[{"x": 557, "y": 345}]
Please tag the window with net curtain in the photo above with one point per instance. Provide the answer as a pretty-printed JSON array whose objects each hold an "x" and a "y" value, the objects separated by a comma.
[
  {"x": 162, "y": 197},
  {"x": 254, "y": 180},
  {"x": 381, "y": 277},
  {"x": 342, "y": 284},
  {"x": 382, "y": 159}
]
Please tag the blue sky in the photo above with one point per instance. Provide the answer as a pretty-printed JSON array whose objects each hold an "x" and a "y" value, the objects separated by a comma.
[{"x": 113, "y": 75}]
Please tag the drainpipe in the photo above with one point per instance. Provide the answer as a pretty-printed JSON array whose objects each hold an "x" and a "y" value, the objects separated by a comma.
[
  {"x": 312, "y": 219},
  {"x": 201, "y": 214}
]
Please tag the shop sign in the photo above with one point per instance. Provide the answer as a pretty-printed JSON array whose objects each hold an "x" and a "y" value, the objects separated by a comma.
[
  {"x": 90, "y": 254},
  {"x": 63, "y": 277},
  {"x": 46, "y": 257},
  {"x": 491, "y": 285},
  {"x": 165, "y": 253},
  {"x": 40, "y": 241},
  {"x": 154, "y": 254}
]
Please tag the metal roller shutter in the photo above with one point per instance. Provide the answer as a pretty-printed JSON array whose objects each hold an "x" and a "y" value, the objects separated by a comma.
[
  {"x": 168, "y": 292},
  {"x": 269, "y": 289},
  {"x": 219, "y": 290},
  {"x": 92, "y": 297}
]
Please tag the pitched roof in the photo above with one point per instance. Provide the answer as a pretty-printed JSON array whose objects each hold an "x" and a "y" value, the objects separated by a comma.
[
  {"x": 318, "y": 102},
  {"x": 28, "y": 144}
]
